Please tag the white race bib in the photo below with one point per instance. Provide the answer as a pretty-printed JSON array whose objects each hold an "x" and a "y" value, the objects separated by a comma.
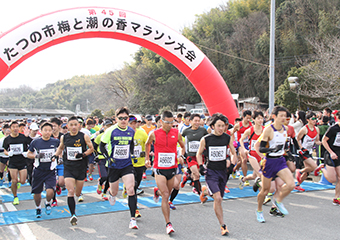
[
  {"x": 337, "y": 140},
  {"x": 193, "y": 146},
  {"x": 252, "y": 145},
  {"x": 47, "y": 155},
  {"x": 72, "y": 152},
  {"x": 17, "y": 148},
  {"x": 137, "y": 150},
  {"x": 217, "y": 153},
  {"x": 121, "y": 152},
  {"x": 166, "y": 159}
]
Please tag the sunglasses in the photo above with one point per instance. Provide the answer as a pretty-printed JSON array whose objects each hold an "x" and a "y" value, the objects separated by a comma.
[
  {"x": 313, "y": 118},
  {"x": 287, "y": 119},
  {"x": 174, "y": 125},
  {"x": 123, "y": 118},
  {"x": 168, "y": 122}
]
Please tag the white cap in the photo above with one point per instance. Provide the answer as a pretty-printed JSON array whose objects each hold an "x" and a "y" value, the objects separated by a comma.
[{"x": 34, "y": 126}]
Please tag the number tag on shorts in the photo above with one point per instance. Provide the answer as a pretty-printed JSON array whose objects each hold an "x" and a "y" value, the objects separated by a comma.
[
  {"x": 193, "y": 146},
  {"x": 166, "y": 159},
  {"x": 137, "y": 150},
  {"x": 252, "y": 146},
  {"x": 217, "y": 153},
  {"x": 17, "y": 148},
  {"x": 72, "y": 152},
  {"x": 337, "y": 140},
  {"x": 121, "y": 152},
  {"x": 47, "y": 154}
]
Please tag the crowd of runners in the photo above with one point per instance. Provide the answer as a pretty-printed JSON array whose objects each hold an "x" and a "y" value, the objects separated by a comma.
[{"x": 60, "y": 153}]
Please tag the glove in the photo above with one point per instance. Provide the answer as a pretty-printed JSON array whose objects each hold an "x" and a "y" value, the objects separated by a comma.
[
  {"x": 290, "y": 157},
  {"x": 54, "y": 158},
  {"x": 142, "y": 154},
  {"x": 10, "y": 153},
  {"x": 60, "y": 161},
  {"x": 134, "y": 159},
  {"x": 278, "y": 148},
  {"x": 303, "y": 153},
  {"x": 80, "y": 155},
  {"x": 202, "y": 170},
  {"x": 24, "y": 154}
]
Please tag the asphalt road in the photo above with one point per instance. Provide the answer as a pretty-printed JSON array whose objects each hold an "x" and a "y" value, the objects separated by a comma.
[{"x": 312, "y": 216}]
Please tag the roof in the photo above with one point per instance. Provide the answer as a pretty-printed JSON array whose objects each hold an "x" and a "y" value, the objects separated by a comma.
[{"x": 37, "y": 111}]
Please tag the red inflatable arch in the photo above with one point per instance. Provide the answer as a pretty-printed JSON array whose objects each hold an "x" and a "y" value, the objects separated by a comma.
[{"x": 50, "y": 29}]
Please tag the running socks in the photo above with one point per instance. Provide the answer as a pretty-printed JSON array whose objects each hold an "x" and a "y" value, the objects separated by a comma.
[
  {"x": 102, "y": 180},
  {"x": 132, "y": 205},
  {"x": 173, "y": 194},
  {"x": 197, "y": 185},
  {"x": 71, "y": 205}
]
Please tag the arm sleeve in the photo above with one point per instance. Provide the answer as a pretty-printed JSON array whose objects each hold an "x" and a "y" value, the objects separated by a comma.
[
  {"x": 263, "y": 148},
  {"x": 103, "y": 150},
  {"x": 295, "y": 143},
  {"x": 132, "y": 147}
]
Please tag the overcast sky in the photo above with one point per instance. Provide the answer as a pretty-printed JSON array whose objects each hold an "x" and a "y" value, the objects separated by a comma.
[{"x": 88, "y": 56}]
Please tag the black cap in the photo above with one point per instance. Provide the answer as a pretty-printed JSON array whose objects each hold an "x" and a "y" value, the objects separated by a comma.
[
  {"x": 148, "y": 117},
  {"x": 107, "y": 122}
]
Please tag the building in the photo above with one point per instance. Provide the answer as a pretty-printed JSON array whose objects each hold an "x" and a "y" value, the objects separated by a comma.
[{"x": 20, "y": 113}]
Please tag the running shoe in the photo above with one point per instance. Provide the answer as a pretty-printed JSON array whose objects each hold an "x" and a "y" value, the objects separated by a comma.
[
  {"x": 317, "y": 170},
  {"x": 112, "y": 200},
  {"x": 137, "y": 214},
  {"x": 144, "y": 175},
  {"x": 241, "y": 184},
  {"x": 172, "y": 206},
  {"x": 281, "y": 207},
  {"x": 224, "y": 230},
  {"x": 18, "y": 185},
  {"x": 203, "y": 198},
  {"x": 104, "y": 197},
  {"x": 139, "y": 191},
  {"x": 48, "y": 209},
  {"x": 16, "y": 201},
  {"x": 336, "y": 201},
  {"x": 124, "y": 192},
  {"x": 1, "y": 181},
  {"x": 99, "y": 188},
  {"x": 275, "y": 212},
  {"x": 256, "y": 185},
  {"x": 54, "y": 203},
  {"x": 73, "y": 220},
  {"x": 246, "y": 183},
  {"x": 238, "y": 174},
  {"x": 299, "y": 188},
  {"x": 81, "y": 198},
  {"x": 226, "y": 189},
  {"x": 58, "y": 189},
  {"x": 90, "y": 178},
  {"x": 298, "y": 175},
  {"x": 155, "y": 196},
  {"x": 267, "y": 200},
  {"x": 38, "y": 213},
  {"x": 169, "y": 228},
  {"x": 233, "y": 175},
  {"x": 185, "y": 179},
  {"x": 133, "y": 224},
  {"x": 194, "y": 190},
  {"x": 259, "y": 217},
  {"x": 85, "y": 179}
]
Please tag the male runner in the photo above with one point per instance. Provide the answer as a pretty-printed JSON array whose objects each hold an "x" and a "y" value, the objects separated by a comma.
[
  {"x": 273, "y": 144},
  {"x": 16, "y": 146},
  {"x": 165, "y": 163},
  {"x": 75, "y": 146},
  {"x": 3, "y": 157},
  {"x": 148, "y": 127},
  {"x": 185, "y": 124},
  {"x": 216, "y": 174},
  {"x": 120, "y": 145},
  {"x": 42, "y": 149}
]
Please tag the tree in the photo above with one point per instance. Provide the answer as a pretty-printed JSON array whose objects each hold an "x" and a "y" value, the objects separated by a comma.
[{"x": 98, "y": 113}]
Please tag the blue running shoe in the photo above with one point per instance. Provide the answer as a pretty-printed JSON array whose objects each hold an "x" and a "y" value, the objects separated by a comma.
[
  {"x": 38, "y": 213},
  {"x": 259, "y": 216},
  {"x": 281, "y": 208},
  {"x": 48, "y": 208}
]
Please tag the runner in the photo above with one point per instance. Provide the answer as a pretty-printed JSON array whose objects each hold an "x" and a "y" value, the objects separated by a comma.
[
  {"x": 74, "y": 145},
  {"x": 42, "y": 149},
  {"x": 331, "y": 142},
  {"x": 16, "y": 146},
  {"x": 148, "y": 127},
  {"x": 3, "y": 157},
  {"x": 252, "y": 134},
  {"x": 216, "y": 173},
  {"x": 88, "y": 131},
  {"x": 307, "y": 137},
  {"x": 120, "y": 145},
  {"x": 240, "y": 128},
  {"x": 165, "y": 165},
  {"x": 273, "y": 144},
  {"x": 185, "y": 124},
  {"x": 192, "y": 136}
]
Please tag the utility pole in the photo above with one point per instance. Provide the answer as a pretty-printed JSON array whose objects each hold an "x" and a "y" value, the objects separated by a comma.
[{"x": 272, "y": 57}]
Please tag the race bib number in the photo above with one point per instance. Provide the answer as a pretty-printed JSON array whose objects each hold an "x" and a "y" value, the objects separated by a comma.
[
  {"x": 47, "y": 155},
  {"x": 17, "y": 148},
  {"x": 72, "y": 152},
  {"x": 166, "y": 159},
  {"x": 217, "y": 153},
  {"x": 337, "y": 140},
  {"x": 121, "y": 152},
  {"x": 193, "y": 146},
  {"x": 137, "y": 150},
  {"x": 252, "y": 145}
]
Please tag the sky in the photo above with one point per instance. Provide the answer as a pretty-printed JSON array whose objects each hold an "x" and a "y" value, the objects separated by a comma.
[{"x": 88, "y": 56}]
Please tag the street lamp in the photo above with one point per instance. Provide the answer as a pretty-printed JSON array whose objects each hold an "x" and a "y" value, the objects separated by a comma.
[{"x": 294, "y": 84}]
